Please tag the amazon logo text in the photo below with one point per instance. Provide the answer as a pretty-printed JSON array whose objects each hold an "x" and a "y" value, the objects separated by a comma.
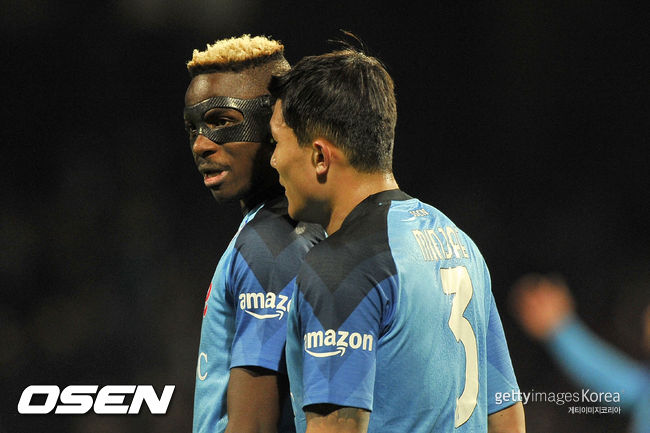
[
  {"x": 322, "y": 344},
  {"x": 264, "y": 301}
]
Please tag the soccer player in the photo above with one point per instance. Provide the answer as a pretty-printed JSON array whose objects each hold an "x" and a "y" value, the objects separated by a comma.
[
  {"x": 241, "y": 383},
  {"x": 545, "y": 308},
  {"x": 393, "y": 326}
]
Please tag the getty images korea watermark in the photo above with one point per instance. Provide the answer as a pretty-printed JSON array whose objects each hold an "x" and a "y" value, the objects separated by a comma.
[
  {"x": 80, "y": 399},
  {"x": 598, "y": 402}
]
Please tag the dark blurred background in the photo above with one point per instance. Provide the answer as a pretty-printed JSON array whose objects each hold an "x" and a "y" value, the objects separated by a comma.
[{"x": 526, "y": 123}]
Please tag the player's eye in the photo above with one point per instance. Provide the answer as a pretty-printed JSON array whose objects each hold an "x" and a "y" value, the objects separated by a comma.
[
  {"x": 191, "y": 129},
  {"x": 220, "y": 122},
  {"x": 222, "y": 118}
]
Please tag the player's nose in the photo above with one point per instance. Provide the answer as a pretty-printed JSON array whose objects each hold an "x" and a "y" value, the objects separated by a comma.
[
  {"x": 274, "y": 160},
  {"x": 203, "y": 146}
]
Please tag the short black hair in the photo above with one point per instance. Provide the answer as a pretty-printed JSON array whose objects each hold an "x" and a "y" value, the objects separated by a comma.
[{"x": 347, "y": 97}]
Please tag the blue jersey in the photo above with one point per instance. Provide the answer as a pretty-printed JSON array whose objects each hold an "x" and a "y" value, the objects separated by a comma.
[
  {"x": 394, "y": 314},
  {"x": 245, "y": 311}
]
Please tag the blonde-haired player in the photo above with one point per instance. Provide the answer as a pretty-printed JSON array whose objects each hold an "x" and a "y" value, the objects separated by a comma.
[
  {"x": 241, "y": 383},
  {"x": 237, "y": 53}
]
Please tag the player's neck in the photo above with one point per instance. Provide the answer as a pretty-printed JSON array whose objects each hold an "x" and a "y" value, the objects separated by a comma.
[
  {"x": 352, "y": 190},
  {"x": 257, "y": 197}
]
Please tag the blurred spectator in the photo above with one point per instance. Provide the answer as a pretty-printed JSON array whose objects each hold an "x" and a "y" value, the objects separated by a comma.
[{"x": 545, "y": 309}]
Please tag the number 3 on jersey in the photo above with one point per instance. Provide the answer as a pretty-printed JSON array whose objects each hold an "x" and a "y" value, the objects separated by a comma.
[{"x": 457, "y": 281}]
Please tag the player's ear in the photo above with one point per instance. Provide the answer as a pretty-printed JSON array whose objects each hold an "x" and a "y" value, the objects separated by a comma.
[{"x": 321, "y": 156}]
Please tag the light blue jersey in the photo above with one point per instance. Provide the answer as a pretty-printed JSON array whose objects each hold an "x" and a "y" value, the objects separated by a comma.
[
  {"x": 394, "y": 314},
  {"x": 245, "y": 312}
]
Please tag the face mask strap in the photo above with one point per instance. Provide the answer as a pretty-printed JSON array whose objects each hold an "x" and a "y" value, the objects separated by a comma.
[{"x": 255, "y": 127}]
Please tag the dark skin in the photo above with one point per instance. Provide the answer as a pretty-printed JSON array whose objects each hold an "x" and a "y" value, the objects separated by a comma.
[
  {"x": 239, "y": 171},
  {"x": 253, "y": 399},
  {"x": 329, "y": 418},
  {"x": 508, "y": 420}
]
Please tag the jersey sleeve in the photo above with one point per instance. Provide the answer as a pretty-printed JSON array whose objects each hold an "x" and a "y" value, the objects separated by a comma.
[
  {"x": 502, "y": 388},
  {"x": 261, "y": 275},
  {"x": 258, "y": 338},
  {"x": 339, "y": 353},
  {"x": 593, "y": 363}
]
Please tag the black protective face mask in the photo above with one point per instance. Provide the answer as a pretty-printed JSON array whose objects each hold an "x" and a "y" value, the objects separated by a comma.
[{"x": 255, "y": 127}]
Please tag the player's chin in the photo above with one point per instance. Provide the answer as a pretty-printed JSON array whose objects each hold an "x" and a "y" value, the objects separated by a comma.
[
  {"x": 295, "y": 212},
  {"x": 225, "y": 194},
  {"x": 302, "y": 213}
]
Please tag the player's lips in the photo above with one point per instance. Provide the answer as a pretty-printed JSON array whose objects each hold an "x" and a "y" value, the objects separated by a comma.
[{"x": 213, "y": 176}]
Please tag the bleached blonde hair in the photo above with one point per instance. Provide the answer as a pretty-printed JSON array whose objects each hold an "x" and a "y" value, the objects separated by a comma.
[{"x": 237, "y": 53}]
